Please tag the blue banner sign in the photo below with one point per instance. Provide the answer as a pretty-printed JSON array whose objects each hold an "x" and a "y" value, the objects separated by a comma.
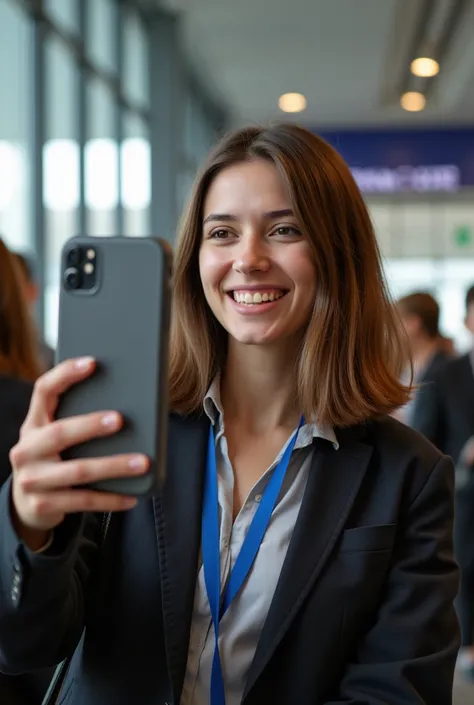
[{"x": 394, "y": 161}]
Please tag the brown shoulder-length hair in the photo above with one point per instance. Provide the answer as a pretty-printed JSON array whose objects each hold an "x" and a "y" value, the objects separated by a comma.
[
  {"x": 18, "y": 346},
  {"x": 349, "y": 365}
]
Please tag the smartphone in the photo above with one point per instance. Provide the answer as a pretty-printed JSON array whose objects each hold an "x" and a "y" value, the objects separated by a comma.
[{"x": 114, "y": 305}]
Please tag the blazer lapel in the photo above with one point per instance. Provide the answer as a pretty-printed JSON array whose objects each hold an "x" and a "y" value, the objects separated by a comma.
[
  {"x": 334, "y": 481},
  {"x": 178, "y": 528}
]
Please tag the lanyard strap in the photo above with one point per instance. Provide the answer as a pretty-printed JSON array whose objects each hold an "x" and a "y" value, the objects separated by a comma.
[{"x": 247, "y": 554}]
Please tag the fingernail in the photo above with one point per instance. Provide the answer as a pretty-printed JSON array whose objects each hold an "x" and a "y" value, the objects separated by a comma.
[
  {"x": 110, "y": 420},
  {"x": 138, "y": 463},
  {"x": 84, "y": 362},
  {"x": 130, "y": 503}
]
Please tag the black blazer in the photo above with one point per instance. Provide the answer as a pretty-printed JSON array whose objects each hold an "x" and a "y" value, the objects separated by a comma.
[
  {"x": 446, "y": 406},
  {"x": 363, "y": 611},
  {"x": 15, "y": 394}
]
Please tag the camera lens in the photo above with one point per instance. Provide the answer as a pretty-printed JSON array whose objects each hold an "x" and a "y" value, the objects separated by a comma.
[
  {"x": 73, "y": 257},
  {"x": 72, "y": 278}
]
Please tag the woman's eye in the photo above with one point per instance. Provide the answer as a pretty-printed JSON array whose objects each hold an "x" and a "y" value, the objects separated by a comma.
[
  {"x": 286, "y": 230},
  {"x": 220, "y": 234}
]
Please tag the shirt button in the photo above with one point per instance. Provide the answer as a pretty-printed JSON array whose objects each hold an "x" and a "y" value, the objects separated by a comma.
[{"x": 258, "y": 498}]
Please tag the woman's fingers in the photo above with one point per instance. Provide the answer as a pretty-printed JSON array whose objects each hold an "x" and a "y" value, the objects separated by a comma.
[
  {"x": 50, "y": 440},
  {"x": 73, "y": 473},
  {"x": 60, "y": 503},
  {"x": 51, "y": 385}
]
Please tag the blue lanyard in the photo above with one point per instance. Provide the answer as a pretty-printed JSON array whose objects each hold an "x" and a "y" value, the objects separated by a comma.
[{"x": 248, "y": 552}]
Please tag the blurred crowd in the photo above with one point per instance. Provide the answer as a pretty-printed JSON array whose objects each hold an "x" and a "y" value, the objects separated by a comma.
[{"x": 442, "y": 409}]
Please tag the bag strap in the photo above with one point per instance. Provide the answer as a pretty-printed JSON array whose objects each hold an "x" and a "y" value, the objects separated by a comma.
[{"x": 54, "y": 690}]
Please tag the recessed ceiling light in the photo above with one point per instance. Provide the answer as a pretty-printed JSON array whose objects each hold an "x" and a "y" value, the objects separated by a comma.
[
  {"x": 292, "y": 102},
  {"x": 424, "y": 67},
  {"x": 413, "y": 101}
]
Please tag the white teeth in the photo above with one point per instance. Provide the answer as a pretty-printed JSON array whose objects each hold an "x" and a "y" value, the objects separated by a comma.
[{"x": 256, "y": 297}]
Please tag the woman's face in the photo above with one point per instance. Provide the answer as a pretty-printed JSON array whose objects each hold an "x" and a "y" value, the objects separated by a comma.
[{"x": 256, "y": 267}]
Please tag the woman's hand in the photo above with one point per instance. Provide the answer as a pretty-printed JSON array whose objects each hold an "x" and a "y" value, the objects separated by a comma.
[{"x": 46, "y": 488}]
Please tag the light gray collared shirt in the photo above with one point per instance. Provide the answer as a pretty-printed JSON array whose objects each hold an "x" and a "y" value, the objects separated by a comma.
[{"x": 242, "y": 624}]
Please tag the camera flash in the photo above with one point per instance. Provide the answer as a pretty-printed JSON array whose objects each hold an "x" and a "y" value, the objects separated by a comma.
[
  {"x": 90, "y": 254},
  {"x": 88, "y": 268}
]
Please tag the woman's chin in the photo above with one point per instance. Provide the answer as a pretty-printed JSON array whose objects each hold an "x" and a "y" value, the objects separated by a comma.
[{"x": 254, "y": 336}]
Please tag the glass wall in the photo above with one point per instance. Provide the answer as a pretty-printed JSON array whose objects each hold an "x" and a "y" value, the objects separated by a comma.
[
  {"x": 100, "y": 34},
  {"x": 135, "y": 187},
  {"x": 135, "y": 69},
  {"x": 61, "y": 193},
  {"x": 96, "y": 151},
  {"x": 101, "y": 161},
  {"x": 65, "y": 14},
  {"x": 15, "y": 144},
  {"x": 77, "y": 130}
]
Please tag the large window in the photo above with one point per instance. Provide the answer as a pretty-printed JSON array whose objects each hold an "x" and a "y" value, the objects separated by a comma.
[
  {"x": 15, "y": 127},
  {"x": 135, "y": 77},
  {"x": 101, "y": 40},
  {"x": 101, "y": 162},
  {"x": 61, "y": 187},
  {"x": 78, "y": 127},
  {"x": 65, "y": 13},
  {"x": 136, "y": 177}
]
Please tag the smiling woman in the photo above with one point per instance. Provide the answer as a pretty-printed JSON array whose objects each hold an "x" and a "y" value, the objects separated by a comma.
[
  {"x": 300, "y": 550},
  {"x": 276, "y": 211}
]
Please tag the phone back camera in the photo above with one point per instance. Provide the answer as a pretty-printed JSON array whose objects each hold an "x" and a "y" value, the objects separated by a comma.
[
  {"x": 72, "y": 278},
  {"x": 80, "y": 269}
]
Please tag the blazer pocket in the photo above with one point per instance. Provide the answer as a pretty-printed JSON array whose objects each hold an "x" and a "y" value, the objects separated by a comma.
[{"x": 368, "y": 538}]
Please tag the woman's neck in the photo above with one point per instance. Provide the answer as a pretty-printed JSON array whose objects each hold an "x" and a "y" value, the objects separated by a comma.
[{"x": 258, "y": 387}]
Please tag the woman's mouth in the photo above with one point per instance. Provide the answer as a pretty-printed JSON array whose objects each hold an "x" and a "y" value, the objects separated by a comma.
[{"x": 257, "y": 297}]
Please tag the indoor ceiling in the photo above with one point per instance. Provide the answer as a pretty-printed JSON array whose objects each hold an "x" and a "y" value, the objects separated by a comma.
[{"x": 350, "y": 58}]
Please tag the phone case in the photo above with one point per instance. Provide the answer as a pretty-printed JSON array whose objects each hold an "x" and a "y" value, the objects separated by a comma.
[{"x": 123, "y": 322}]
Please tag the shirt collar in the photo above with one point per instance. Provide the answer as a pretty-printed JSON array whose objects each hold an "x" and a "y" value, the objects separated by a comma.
[{"x": 215, "y": 413}]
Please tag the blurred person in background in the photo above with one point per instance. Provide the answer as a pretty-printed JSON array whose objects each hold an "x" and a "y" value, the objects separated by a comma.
[
  {"x": 447, "y": 345},
  {"x": 448, "y": 422},
  {"x": 19, "y": 368},
  {"x": 31, "y": 293},
  {"x": 419, "y": 313}
]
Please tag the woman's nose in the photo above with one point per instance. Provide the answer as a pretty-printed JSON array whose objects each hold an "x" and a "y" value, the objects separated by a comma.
[{"x": 251, "y": 257}]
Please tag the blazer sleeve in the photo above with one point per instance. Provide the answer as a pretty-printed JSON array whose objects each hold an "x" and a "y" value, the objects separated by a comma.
[
  {"x": 409, "y": 654},
  {"x": 42, "y": 596}
]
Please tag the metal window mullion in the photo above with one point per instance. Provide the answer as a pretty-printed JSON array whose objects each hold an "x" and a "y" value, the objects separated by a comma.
[
  {"x": 82, "y": 114},
  {"x": 38, "y": 137}
]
